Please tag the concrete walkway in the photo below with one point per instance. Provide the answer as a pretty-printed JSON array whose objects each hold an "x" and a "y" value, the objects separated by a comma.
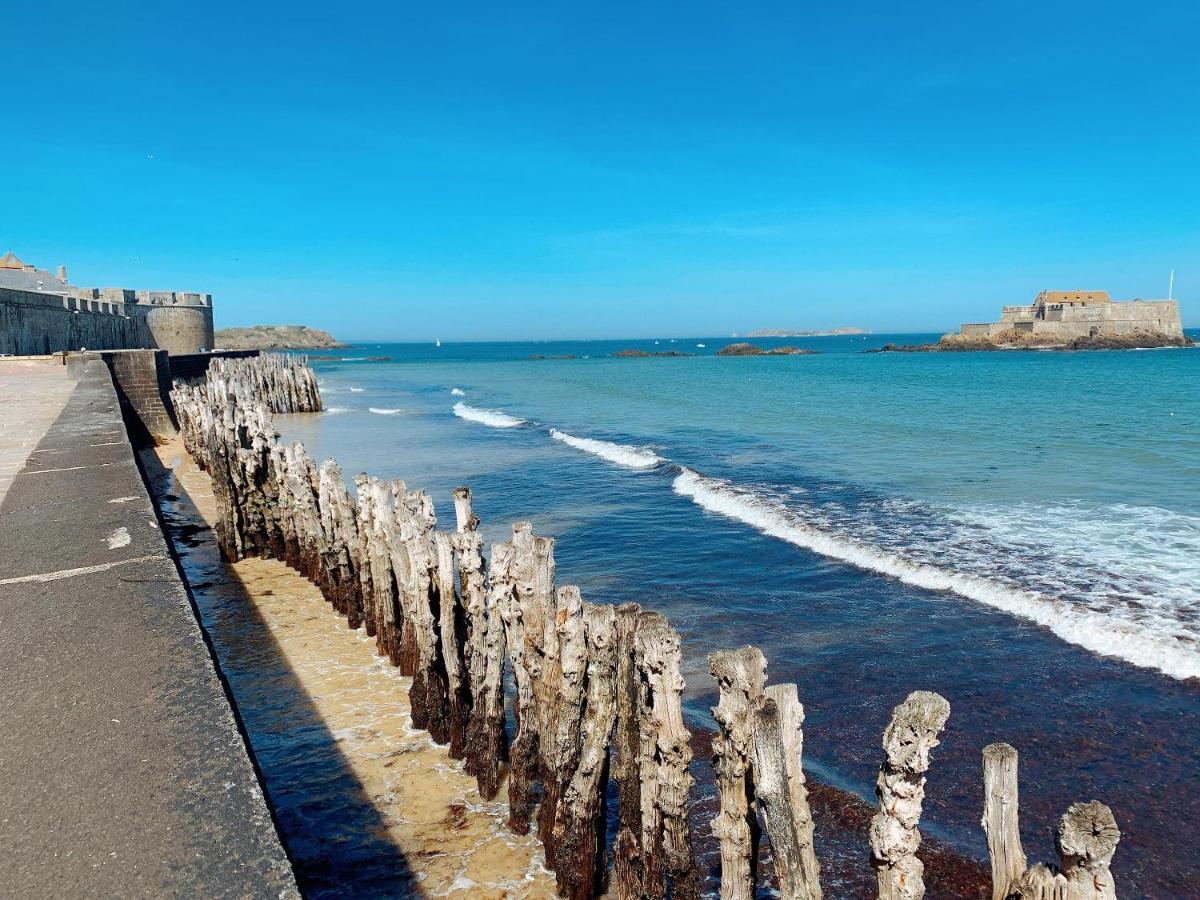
[
  {"x": 122, "y": 771},
  {"x": 33, "y": 393}
]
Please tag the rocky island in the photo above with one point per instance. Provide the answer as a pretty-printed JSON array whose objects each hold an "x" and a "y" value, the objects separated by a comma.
[
  {"x": 276, "y": 337},
  {"x": 1068, "y": 320},
  {"x": 744, "y": 349}
]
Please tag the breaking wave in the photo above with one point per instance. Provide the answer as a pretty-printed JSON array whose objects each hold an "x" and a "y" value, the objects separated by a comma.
[
  {"x": 492, "y": 417},
  {"x": 1148, "y": 644},
  {"x": 630, "y": 457},
  {"x": 356, "y": 390},
  {"x": 334, "y": 410},
  {"x": 458, "y": 392},
  {"x": 384, "y": 412}
]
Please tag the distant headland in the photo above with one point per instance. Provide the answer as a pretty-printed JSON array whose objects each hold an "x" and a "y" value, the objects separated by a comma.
[
  {"x": 276, "y": 337},
  {"x": 791, "y": 332}
]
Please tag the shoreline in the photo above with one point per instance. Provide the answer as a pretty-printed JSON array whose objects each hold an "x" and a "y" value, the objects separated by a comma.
[{"x": 463, "y": 850}]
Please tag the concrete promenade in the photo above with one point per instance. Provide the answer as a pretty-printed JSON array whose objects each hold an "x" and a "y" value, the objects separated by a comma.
[{"x": 122, "y": 771}]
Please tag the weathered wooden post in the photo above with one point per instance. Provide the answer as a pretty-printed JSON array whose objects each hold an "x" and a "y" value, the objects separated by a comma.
[
  {"x": 340, "y": 528},
  {"x": 907, "y": 742},
  {"x": 779, "y": 786},
  {"x": 1000, "y": 818},
  {"x": 560, "y": 711},
  {"x": 428, "y": 693},
  {"x": 487, "y": 743},
  {"x": 666, "y": 841},
  {"x": 1086, "y": 838},
  {"x": 452, "y": 633},
  {"x": 740, "y": 674},
  {"x": 580, "y": 833},
  {"x": 525, "y": 624},
  {"x": 628, "y": 865}
]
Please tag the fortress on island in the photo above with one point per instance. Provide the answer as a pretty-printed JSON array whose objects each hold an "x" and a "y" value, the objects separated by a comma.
[
  {"x": 43, "y": 313},
  {"x": 1073, "y": 315}
]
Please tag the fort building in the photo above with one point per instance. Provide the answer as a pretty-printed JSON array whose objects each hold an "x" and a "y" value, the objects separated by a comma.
[
  {"x": 42, "y": 312},
  {"x": 1068, "y": 315}
]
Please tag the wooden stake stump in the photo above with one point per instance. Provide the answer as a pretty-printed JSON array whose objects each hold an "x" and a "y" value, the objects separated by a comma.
[
  {"x": 740, "y": 674},
  {"x": 1000, "y": 822},
  {"x": 580, "y": 831},
  {"x": 665, "y": 841},
  {"x": 779, "y": 785},
  {"x": 907, "y": 742},
  {"x": 487, "y": 742}
]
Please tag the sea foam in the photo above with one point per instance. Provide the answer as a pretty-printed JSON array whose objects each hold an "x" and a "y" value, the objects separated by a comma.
[
  {"x": 1142, "y": 644},
  {"x": 384, "y": 412},
  {"x": 630, "y": 457},
  {"x": 457, "y": 392},
  {"x": 334, "y": 410},
  {"x": 492, "y": 417}
]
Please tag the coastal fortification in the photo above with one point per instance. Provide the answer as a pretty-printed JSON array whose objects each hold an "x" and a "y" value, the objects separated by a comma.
[
  {"x": 43, "y": 313},
  {"x": 1070, "y": 315}
]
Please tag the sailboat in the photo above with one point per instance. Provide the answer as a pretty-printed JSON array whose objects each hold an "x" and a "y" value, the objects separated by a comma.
[{"x": 437, "y": 342}]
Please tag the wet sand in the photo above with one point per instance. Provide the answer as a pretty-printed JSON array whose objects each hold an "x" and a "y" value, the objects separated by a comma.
[{"x": 366, "y": 805}]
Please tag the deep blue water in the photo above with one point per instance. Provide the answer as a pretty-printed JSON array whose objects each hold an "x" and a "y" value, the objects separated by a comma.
[{"x": 1017, "y": 531}]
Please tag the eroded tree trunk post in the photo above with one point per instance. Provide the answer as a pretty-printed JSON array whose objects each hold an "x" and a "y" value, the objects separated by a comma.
[
  {"x": 452, "y": 633},
  {"x": 580, "y": 833},
  {"x": 487, "y": 743},
  {"x": 740, "y": 675},
  {"x": 525, "y": 623},
  {"x": 1000, "y": 818},
  {"x": 779, "y": 785},
  {"x": 666, "y": 840},
  {"x": 907, "y": 742},
  {"x": 561, "y": 708},
  {"x": 1086, "y": 838},
  {"x": 428, "y": 694},
  {"x": 340, "y": 528},
  {"x": 628, "y": 864}
]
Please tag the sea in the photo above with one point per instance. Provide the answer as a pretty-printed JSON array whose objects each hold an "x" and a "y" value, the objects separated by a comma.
[{"x": 1018, "y": 531}]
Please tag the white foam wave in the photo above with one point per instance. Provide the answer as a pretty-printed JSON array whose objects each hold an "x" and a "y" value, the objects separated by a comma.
[
  {"x": 458, "y": 392},
  {"x": 1135, "y": 642},
  {"x": 492, "y": 417},
  {"x": 334, "y": 410},
  {"x": 356, "y": 390},
  {"x": 630, "y": 457},
  {"x": 384, "y": 412}
]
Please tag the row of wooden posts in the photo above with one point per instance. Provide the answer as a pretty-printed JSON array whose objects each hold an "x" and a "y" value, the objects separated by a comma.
[{"x": 596, "y": 687}]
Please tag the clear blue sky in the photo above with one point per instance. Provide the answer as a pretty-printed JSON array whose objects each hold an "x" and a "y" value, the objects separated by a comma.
[{"x": 611, "y": 169}]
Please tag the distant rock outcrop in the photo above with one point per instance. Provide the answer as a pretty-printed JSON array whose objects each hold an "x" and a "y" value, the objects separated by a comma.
[
  {"x": 646, "y": 354},
  {"x": 744, "y": 349},
  {"x": 1012, "y": 339},
  {"x": 275, "y": 337}
]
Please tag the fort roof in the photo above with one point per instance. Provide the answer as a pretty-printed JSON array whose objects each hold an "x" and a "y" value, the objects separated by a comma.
[
  {"x": 1047, "y": 298},
  {"x": 10, "y": 261}
]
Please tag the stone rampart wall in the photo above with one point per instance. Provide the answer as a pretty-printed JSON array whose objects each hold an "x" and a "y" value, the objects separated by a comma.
[{"x": 33, "y": 323}]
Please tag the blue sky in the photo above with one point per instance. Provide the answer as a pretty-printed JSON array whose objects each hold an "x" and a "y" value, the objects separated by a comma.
[{"x": 475, "y": 171}]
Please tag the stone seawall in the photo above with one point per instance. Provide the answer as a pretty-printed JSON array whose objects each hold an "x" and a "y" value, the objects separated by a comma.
[{"x": 122, "y": 766}]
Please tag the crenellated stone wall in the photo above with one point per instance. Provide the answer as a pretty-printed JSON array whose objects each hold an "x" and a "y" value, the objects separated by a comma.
[{"x": 33, "y": 323}]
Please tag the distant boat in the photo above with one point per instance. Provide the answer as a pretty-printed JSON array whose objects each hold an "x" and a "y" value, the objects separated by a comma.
[
  {"x": 701, "y": 346},
  {"x": 438, "y": 342}
]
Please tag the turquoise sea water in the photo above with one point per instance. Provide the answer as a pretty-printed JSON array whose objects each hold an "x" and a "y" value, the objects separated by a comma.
[{"x": 1019, "y": 531}]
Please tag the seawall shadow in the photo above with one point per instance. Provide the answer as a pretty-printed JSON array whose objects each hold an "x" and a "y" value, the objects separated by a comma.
[{"x": 334, "y": 834}]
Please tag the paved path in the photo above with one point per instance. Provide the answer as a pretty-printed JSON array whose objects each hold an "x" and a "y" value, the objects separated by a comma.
[
  {"x": 122, "y": 771},
  {"x": 32, "y": 394}
]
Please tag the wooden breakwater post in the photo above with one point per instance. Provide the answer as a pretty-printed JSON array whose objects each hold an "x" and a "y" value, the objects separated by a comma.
[
  {"x": 1086, "y": 839},
  {"x": 597, "y": 689}
]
